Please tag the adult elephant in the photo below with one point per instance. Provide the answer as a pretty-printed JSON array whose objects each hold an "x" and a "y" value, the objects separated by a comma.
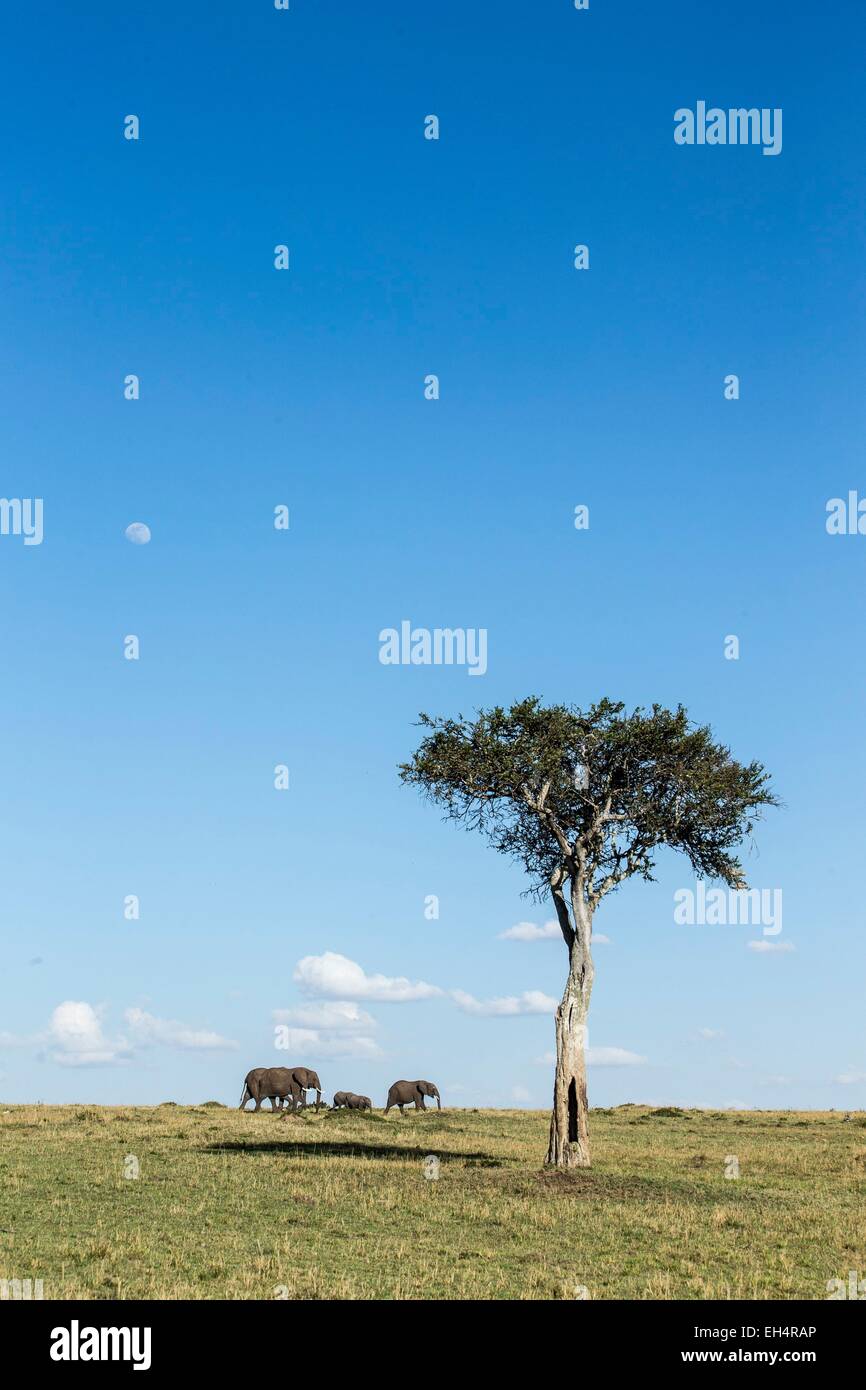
[
  {"x": 306, "y": 1080},
  {"x": 270, "y": 1083},
  {"x": 405, "y": 1092}
]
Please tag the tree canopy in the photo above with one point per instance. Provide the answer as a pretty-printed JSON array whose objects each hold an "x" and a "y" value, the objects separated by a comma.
[{"x": 592, "y": 794}]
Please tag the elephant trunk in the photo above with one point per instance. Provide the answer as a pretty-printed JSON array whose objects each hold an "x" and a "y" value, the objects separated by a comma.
[{"x": 438, "y": 1102}]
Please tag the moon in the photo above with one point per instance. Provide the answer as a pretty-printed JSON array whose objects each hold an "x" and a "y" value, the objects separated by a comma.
[{"x": 138, "y": 533}]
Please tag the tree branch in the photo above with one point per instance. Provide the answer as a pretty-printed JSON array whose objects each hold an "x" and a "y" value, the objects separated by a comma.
[{"x": 557, "y": 879}]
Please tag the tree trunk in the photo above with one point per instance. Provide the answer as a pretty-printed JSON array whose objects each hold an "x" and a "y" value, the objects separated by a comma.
[{"x": 569, "y": 1131}]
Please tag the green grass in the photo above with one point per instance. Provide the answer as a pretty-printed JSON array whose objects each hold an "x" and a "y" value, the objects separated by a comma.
[{"x": 336, "y": 1205}]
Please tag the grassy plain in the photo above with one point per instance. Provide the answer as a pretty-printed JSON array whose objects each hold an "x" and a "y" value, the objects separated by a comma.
[{"x": 337, "y": 1205}]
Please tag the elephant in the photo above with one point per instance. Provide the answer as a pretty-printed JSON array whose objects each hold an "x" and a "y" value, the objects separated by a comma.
[
  {"x": 351, "y": 1101},
  {"x": 306, "y": 1080},
  {"x": 274, "y": 1083},
  {"x": 404, "y": 1092}
]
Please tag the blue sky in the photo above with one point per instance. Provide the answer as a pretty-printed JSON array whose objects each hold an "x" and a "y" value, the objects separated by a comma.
[{"x": 306, "y": 388}]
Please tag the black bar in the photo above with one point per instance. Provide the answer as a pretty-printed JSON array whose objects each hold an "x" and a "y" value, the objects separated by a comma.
[{"x": 217, "y": 1338}]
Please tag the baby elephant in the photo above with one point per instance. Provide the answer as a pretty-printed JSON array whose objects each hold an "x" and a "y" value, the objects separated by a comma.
[
  {"x": 351, "y": 1101},
  {"x": 405, "y": 1092}
]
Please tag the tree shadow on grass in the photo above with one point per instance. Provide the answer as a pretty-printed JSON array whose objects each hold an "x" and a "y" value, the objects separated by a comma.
[{"x": 331, "y": 1148}]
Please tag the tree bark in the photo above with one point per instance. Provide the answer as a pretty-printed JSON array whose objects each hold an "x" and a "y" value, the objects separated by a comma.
[{"x": 569, "y": 1130}]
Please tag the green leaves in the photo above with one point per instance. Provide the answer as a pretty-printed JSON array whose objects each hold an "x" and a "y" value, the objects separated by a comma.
[{"x": 591, "y": 794}]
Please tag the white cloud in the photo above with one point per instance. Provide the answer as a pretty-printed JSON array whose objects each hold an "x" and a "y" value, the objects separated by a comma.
[
  {"x": 529, "y": 931},
  {"x": 520, "y": 1093},
  {"x": 532, "y": 1001},
  {"x": 613, "y": 1057},
  {"x": 339, "y": 1016},
  {"x": 350, "y": 1046},
  {"x": 146, "y": 1029},
  {"x": 309, "y": 1042},
  {"x": 602, "y": 1057},
  {"x": 710, "y": 1033},
  {"x": 76, "y": 1037},
  {"x": 763, "y": 947},
  {"x": 338, "y": 977},
  {"x": 334, "y": 1028},
  {"x": 850, "y": 1077}
]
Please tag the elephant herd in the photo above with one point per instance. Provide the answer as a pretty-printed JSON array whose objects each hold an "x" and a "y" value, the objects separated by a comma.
[{"x": 287, "y": 1088}]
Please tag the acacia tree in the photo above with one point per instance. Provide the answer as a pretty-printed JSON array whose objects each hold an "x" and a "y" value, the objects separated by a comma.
[{"x": 583, "y": 800}]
